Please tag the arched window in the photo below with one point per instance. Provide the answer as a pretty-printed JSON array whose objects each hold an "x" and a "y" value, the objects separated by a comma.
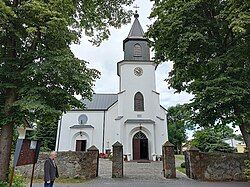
[
  {"x": 140, "y": 135},
  {"x": 137, "y": 50},
  {"x": 138, "y": 102},
  {"x": 82, "y": 119}
]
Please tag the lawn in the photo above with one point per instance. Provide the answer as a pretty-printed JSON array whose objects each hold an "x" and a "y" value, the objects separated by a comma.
[
  {"x": 179, "y": 157},
  {"x": 182, "y": 170}
]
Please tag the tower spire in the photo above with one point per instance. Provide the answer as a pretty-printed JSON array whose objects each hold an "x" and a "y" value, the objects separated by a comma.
[
  {"x": 135, "y": 46},
  {"x": 136, "y": 30}
]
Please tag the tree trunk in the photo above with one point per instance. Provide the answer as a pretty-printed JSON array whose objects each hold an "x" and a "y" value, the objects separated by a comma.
[
  {"x": 245, "y": 130},
  {"x": 181, "y": 152},
  {"x": 6, "y": 131},
  {"x": 177, "y": 149},
  {"x": 6, "y": 136}
]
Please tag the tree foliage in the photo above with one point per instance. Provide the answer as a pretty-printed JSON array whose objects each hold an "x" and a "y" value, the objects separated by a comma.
[
  {"x": 211, "y": 139},
  {"x": 46, "y": 132},
  {"x": 208, "y": 42},
  {"x": 36, "y": 61},
  {"x": 39, "y": 74},
  {"x": 177, "y": 118}
]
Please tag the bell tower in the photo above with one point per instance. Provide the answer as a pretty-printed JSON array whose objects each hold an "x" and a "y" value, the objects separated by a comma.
[
  {"x": 137, "y": 75},
  {"x": 142, "y": 121},
  {"x": 135, "y": 46}
]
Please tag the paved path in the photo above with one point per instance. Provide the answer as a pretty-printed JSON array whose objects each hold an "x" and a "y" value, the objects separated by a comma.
[{"x": 144, "y": 175}]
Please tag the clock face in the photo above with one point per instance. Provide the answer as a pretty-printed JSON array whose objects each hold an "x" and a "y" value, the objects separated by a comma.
[{"x": 138, "y": 71}]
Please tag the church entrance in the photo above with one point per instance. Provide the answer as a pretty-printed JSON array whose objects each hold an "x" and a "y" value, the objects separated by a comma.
[
  {"x": 140, "y": 146},
  {"x": 81, "y": 145}
]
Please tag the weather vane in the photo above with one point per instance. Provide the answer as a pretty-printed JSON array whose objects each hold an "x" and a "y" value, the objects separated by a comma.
[{"x": 136, "y": 7}]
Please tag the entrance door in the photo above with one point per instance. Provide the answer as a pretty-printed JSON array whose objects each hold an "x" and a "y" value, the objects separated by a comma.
[
  {"x": 81, "y": 145},
  {"x": 136, "y": 149},
  {"x": 140, "y": 146}
]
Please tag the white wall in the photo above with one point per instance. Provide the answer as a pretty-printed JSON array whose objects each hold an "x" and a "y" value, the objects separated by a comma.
[
  {"x": 69, "y": 135},
  {"x": 112, "y": 127},
  {"x": 131, "y": 84}
]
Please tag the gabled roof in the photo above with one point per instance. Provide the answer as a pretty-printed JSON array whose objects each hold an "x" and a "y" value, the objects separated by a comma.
[
  {"x": 136, "y": 31},
  {"x": 100, "y": 102}
]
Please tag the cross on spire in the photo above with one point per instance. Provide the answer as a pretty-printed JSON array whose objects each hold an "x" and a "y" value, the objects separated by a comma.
[
  {"x": 136, "y": 7},
  {"x": 136, "y": 13}
]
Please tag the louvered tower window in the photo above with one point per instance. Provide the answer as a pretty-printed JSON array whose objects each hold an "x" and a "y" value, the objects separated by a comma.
[{"x": 137, "y": 50}]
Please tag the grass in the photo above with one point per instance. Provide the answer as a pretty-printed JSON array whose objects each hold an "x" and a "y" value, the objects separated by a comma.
[
  {"x": 182, "y": 170},
  {"x": 179, "y": 157}
]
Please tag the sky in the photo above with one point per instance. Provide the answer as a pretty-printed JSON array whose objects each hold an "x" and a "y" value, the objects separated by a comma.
[{"x": 105, "y": 57}]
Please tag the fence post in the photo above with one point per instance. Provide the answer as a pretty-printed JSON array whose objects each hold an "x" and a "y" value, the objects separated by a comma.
[
  {"x": 117, "y": 160},
  {"x": 168, "y": 160},
  {"x": 192, "y": 162},
  {"x": 95, "y": 151}
]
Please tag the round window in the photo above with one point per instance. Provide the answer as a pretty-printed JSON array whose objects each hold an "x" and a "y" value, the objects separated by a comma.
[{"x": 82, "y": 119}]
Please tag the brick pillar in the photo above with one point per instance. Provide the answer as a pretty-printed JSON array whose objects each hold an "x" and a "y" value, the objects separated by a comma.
[
  {"x": 93, "y": 150},
  {"x": 168, "y": 159},
  {"x": 192, "y": 162},
  {"x": 117, "y": 160}
]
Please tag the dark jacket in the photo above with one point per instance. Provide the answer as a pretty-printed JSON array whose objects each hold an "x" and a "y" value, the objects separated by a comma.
[{"x": 50, "y": 170}]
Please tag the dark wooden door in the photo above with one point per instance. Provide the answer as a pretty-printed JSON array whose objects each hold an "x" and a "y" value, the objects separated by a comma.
[
  {"x": 140, "y": 146},
  {"x": 81, "y": 145},
  {"x": 136, "y": 149},
  {"x": 144, "y": 148},
  {"x": 78, "y": 145},
  {"x": 84, "y": 145}
]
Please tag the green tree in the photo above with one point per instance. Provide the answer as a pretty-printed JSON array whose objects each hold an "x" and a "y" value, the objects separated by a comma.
[
  {"x": 46, "y": 132},
  {"x": 177, "y": 118},
  {"x": 211, "y": 139},
  {"x": 39, "y": 74},
  {"x": 208, "y": 42}
]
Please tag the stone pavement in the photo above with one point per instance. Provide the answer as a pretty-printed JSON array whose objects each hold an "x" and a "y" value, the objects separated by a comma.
[{"x": 144, "y": 175}]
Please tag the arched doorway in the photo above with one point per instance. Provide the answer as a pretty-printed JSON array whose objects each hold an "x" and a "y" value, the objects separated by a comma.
[
  {"x": 80, "y": 141},
  {"x": 140, "y": 146}
]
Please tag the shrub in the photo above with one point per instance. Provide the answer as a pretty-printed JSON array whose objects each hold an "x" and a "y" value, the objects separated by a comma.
[
  {"x": 19, "y": 181},
  {"x": 247, "y": 170},
  {"x": 110, "y": 156},
  {"x": 183, "y": 165},
  {"x": 103, "y": 155}
]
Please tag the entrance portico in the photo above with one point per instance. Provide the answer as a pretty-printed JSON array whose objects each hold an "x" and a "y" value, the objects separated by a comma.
[{"x": 139, "y": 143}]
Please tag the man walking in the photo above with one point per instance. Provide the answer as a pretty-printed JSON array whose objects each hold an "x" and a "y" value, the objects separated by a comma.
[{"x": 50, "y": 170}]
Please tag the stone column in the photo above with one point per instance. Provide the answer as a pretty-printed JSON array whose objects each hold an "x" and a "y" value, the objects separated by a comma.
[
  {"x": 168, "y": 159},
  {"x": 192, "y": 160},
  {"x": 117, "y": 160},
  {"x": 93, "y": 150}
]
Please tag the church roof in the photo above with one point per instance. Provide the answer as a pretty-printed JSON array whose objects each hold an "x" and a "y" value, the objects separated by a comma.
[
  {"x": 100, "y": 101},
  {"x": 136, "y": 30}
]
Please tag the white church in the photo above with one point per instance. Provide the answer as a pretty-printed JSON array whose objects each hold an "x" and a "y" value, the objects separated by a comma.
[{"x": 133, "y": 116}]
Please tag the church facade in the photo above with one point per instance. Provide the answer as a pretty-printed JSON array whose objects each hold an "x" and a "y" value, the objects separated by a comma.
[{"x": 134, "y": 116}]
